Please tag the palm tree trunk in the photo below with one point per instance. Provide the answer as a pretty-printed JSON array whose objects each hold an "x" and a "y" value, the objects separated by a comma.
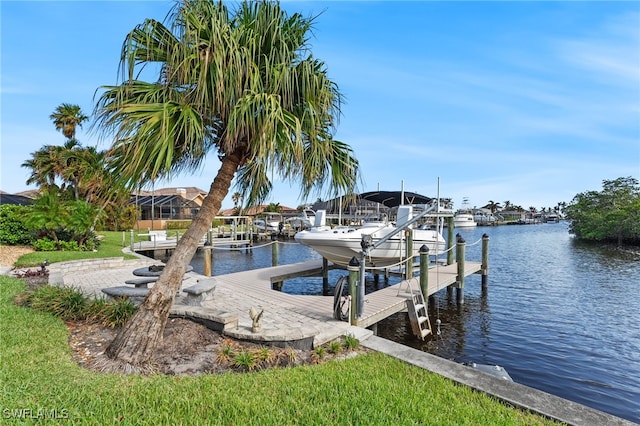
[{"x": 134, "y": 346}]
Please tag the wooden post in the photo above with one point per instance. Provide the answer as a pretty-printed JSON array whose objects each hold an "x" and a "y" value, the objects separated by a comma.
[
  {"x": 460, "y": 249},
  {"x": 325, "y": 276},
  {"x": 485, "y": 262},
  {"x": 408, "y": 270},
  {"x": 424, "y": 271},
  {"x": 132, "y": 242},
  {"x": 354, "y": 269},
  {"x": 450, "y": 239},
  {"x": 207, "y": 258},
  {"x": 274, "y": 261},
  {"x": 274, "y": 250}
]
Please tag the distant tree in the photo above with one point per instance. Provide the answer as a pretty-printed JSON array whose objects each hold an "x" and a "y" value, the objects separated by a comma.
[
  {"x": 48, "y": 165},
  {"x": 236, "y": 197},
  {"x": 273, "y": 208},
  {"x": 67, "y": 118},
  {"x": 612, "y": 214},
  {"x": 507, "y": 205},
  {"x": 493, "y": 206}
]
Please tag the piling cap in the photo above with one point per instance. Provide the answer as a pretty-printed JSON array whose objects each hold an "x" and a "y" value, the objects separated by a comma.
[
  {"x": 424, "y": 249},
  {"x": 354, "y": 262},
  {"x": 460, "y": 239}
]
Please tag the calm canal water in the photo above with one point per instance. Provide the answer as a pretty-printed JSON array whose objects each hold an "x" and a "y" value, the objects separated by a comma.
[{"x": 560, "y": 316}]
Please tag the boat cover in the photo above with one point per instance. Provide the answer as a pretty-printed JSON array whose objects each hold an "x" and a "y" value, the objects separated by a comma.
[{"x": 394, "y": 198}]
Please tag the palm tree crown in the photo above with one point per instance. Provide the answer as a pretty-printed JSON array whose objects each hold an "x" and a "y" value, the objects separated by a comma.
[
  {"x": 242, "y": 84},
  {"x": 67, "y": 118}
]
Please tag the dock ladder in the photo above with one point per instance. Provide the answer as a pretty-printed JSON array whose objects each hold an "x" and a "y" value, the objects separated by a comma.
[{"x": 418, "y": 315}]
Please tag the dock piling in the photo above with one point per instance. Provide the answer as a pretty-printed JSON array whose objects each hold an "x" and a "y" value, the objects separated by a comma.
[
  {"x": 274, "y": 250},
  {"x": 424, "y": 271},
  {"x": 450, "y": 239},
  {"x": 208, "y": 253},
  {"x": 485, "y": 262},
  {"x": 460, "y": 252},
  {"x": 354, "y": 269},
  {"x": 325, "y": 276},
  {"x": 409, "y": 252}
]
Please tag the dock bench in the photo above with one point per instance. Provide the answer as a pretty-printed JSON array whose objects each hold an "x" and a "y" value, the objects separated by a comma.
[
  {"x": 142, "y": 281},
  {"x": 198, "y": 293},
  {"x": 136, "y": 294}
]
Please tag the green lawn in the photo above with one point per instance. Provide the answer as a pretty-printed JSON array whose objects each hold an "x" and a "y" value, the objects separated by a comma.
[
  {"x": 39, "y": 379},
  {"x": 111, "y": 245}
]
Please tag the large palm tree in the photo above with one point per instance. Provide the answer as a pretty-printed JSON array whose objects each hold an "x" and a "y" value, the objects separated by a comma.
[
  {"x": 66, "y": 118},
  {"x": 49, "y": 165},
  {"x": 241, "y": 84}
]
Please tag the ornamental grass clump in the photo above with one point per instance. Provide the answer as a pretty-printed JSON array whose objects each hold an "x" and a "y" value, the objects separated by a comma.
[
  {"x": 245, "y": 361},
  {"x": 113, "y": 314},
  {"x": 351, "y": 343},
  {"x": 66, "y": 303},
  {"x": 70, "y": 304}
]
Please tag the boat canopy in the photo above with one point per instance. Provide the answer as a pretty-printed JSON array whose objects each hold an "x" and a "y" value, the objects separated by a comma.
[{"x": 394, "y": 198}]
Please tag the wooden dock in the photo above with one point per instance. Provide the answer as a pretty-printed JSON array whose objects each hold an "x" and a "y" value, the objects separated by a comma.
[
  {"x": 258, "y": 285},
  {"x": 383, "y": 303}
]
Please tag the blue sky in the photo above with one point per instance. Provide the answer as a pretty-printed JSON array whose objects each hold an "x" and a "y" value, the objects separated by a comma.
[{"x": 527, "y": 102}]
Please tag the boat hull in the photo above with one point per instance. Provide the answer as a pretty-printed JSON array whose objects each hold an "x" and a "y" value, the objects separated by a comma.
[{"x": 340, "y": 245}]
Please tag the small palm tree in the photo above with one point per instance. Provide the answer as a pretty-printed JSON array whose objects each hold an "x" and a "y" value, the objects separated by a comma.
[
  {"x": 241, "y": 84},
  {"x": 49, "y": 215}
]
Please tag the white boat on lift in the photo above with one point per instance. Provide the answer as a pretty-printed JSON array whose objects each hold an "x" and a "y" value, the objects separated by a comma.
[{"x": 340, "y": 244}]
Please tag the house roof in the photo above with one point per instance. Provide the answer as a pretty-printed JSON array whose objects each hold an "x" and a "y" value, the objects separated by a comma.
[
  {"x": 15, "y": 199},
  {"x": 189, "y": 192}
]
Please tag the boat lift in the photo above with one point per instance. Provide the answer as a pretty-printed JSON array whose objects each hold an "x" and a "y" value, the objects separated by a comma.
[{"x": 368, "y": 245}]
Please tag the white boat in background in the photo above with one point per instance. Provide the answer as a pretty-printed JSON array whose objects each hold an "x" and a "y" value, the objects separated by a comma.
[
  {"x": 304, "y": 220},
  {"x": 464, "y": 220},
  {"x": 464, "y": 217},
  {"x": 264, "y": 225},
  {"x": 340, "y": 244}
]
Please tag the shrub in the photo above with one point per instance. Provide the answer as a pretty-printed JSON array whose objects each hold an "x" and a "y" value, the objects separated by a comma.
[
  {"x": 178, "y": 224},
  {"x": 45, "y": 244},
  {"x": 13, "y": 228}
]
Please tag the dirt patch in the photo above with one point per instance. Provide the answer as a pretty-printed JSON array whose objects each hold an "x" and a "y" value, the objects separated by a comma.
[
  {"x": 189, "y": 348},
  {"x": 10, "y": 254}
]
